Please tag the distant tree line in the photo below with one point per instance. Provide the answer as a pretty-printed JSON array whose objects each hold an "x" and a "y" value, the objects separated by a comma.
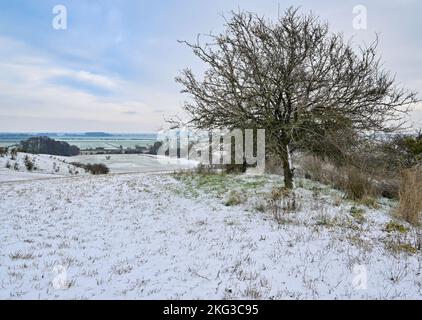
[{"x": 46, "y": 145}]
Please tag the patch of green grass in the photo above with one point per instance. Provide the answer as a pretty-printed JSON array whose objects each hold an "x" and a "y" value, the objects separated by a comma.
[
  {"x": 218, "y": 184},
  {"x": 398, "y": 247},
  {"x": 394, "y": 226},
  {"x": 370, "y": 202}
]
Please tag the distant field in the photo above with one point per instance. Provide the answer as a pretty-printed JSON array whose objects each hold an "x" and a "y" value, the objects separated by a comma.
[
  {"x": 92, "y": 144},
  {"x": 110, "y": 141},
  {"x": 121, "y": 163}
]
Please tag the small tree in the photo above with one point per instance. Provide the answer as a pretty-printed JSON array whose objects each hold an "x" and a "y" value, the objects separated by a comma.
[
  {"x": 305, "y": 86},
  {"x": 29, "y": 164},
  {"x": 13, "y": 153}
]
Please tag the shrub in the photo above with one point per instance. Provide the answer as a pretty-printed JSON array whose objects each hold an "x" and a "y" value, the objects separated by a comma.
[
  {"x": 358, "y": 183},
  {"x": 8, "y": 165},
  {"x": 313, "y": 168},
  {"x": 322, "y": 171},
  {"x": 410, "y": 195},
  {"x": 16, "y": 166},
  {"x": 28, "y": 163},
  {"x": 273, "y": 164},
  {"x": 97, "y": 168},
  {"x": 76, "y": 164},
  {"x": 3, "y": 151},
  {"x": 13, "y": 154}
]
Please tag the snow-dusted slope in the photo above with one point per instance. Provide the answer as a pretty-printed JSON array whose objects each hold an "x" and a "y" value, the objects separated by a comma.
[
  {"x": 154, "y": 236},
  {"x": 45, "y": 166}
]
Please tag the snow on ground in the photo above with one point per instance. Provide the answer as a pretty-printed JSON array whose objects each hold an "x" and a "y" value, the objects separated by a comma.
[
  {"x": 45, "y": 166},
  {"x": 190, "y": 236},
  {"x": 48, "y": 166},
  {"x": 123, "y": 163}
]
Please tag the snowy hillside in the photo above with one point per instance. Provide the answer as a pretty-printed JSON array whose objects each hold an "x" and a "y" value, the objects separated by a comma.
[
  {"x": 44, "y": 166},
  {"x": 198, "y": 236}
]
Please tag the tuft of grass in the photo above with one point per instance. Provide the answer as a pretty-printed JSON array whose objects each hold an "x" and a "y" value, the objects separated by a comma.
[
  {"x": 394, "y": 226},
  {"x": 281, "y": 201},
  {"x": 369, "y": 201},
  {"x": 21, "y": 256},
  {"x": 234, "y": 199},
  {"x": 260, "y": 207},
  {"x": 410, "y": 196},
  {"x": 358, "y": 214},
  {"x": 398, "y": 247},
  {"x": 325, "y": 221}
]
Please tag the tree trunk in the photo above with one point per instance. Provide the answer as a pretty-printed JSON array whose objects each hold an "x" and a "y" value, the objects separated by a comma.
[{"x": 288, "y": 169}]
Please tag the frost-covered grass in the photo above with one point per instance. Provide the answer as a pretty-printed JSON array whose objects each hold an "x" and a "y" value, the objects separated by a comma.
[{"x": 178, "y": 236}]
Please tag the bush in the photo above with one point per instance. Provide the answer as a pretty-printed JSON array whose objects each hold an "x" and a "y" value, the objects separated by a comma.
[
  {"x": 410, "y": 195},
  {"x": 3, "y": 151},
  {"x": 28, "y": 163},
  {"x": 322, "y": 171},
  {"x": 13, "y": 154},
  {"x": 357, "y": 183},
  {"x": 8, "y": 165},
  {"x": 97, "y": 168}
]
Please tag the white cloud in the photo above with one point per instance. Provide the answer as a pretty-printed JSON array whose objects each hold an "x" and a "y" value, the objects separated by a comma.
[{"x": 29, "y": 92}]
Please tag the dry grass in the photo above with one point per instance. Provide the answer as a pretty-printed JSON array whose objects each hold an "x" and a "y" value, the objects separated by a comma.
[
  {"x": 280, "y": 202},
  {"x": 410, "y": 196},
  {"x": 357, "y": 184}
]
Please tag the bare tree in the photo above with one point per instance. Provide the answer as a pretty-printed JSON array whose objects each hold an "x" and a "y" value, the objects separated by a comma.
[{"x": 293, "y": 78}]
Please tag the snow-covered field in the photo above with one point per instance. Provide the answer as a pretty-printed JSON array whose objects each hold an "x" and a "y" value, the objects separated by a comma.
[
  {"x": 190, "y": 236},
  {"x": 123, "y": 163},
  {"x": 45, "y": 166},
  {"x": 48, "y": 166}
]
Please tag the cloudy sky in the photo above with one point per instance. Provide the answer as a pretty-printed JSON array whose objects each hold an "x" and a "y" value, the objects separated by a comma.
[{"x": 113, "y": 68}]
